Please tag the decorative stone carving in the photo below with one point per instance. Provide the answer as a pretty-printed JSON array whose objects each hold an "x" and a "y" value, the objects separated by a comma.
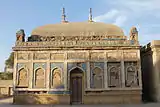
[
  {"x": 114, "y": 55},
  {"x": 114, "y": 70},
  {"x": 57, "y": 56},
  {"x": 130, "y": 56},
  {"x": 39, "y": 78},
  {"x": 57, "y": 65},
  {"x": 76, "y": 55},
  {"x": 97, "y": 56},
  {"x": 39, "y": 65},
  {"x": 74, "y": 36},
  {"x": 23, "y": 56},
  {"x": 97, "y": 71},
  {"x": 77, "y": 64},
  {"x": 56, "y": 80},
  {"x": 97, "y": 76},
  {"x": 40, "y": 56},
  {"x": 131, "y": 74},
  {"x": 22, "y": 78},
  {"x": 76, "y": 43}
]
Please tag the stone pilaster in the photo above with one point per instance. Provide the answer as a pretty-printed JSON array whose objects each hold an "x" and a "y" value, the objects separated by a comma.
[
  {"x": 105, "y": 75},
  {"x": 66, "y": 84},
  {"x": 15, "y": 71},
  {"x": 65, "y": 75},
  {"x": 122, "y": 71},
  {"x": 88, "y": 75},
  {"x": 139, "y": 70},
  {"x": 48, "y": 75},
  {"x": 31, "y": 72}
]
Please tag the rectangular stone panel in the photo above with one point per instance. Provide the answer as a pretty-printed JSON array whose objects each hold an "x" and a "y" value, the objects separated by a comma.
[
  {"x": 57, "y": 56},
  {"x": 130, "y": 56},
  {"x": 114, "y": 74},
  {"x": 23, "y": 56},
  {"x": 114, "y": 55},
  {"x": 41, "y": 56},
  {"x": 97, "y": 56},
  {"x": 39, "y": 65},
  {"x": 77, "y": 55},
  {"x": 131, "y": 74}
]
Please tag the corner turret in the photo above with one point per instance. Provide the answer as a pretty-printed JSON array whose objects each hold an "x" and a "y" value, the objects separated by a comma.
[{"x": 20, "y": 36}]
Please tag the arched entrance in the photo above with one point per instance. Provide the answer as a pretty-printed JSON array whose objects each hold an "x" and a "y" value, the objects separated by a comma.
[{"x": 76, "y": 85}]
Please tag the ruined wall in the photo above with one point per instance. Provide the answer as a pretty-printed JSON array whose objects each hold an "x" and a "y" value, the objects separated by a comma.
[{"x": 150, "y": 56}]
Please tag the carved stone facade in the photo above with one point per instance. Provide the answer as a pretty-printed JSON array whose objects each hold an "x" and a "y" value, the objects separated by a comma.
[{"x": 99, "y": 64}]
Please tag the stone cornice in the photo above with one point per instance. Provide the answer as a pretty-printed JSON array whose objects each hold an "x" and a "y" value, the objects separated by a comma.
[
  {"x": 75, "y": 44},
  {"x": 71, "y": 48}
]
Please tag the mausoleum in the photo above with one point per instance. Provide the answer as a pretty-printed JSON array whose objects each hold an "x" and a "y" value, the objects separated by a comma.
[{"x": 77, "y": 63}]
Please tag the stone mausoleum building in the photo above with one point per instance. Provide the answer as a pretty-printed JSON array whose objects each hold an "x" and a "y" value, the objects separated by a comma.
[{"x": 77, "y": 63}]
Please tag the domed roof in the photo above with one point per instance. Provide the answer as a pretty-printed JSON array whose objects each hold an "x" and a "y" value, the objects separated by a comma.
[{"x": 77, "y": 28}]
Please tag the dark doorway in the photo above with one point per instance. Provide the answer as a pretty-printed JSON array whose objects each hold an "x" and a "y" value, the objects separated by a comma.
[{"x": 76, "y": 77}]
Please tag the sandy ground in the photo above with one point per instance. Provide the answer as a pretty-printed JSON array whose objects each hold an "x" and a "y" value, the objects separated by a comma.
[{"x": 7, "y": 102}]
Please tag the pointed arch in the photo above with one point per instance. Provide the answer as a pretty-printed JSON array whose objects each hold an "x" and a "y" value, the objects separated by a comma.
[
  {"x": 114, "y": 77},
  {"x": 130, "y": 76},
  {"x": 56, "y": 78},
  {"x": 22, "y": 78},
  {"x": 39, "y": 78},
  {"x": 97, "y": 77},
  {"x": 77, "y": 67}
]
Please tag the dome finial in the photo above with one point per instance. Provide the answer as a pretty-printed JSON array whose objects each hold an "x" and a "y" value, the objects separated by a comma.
[
  {"x": 90, "y": 15},
  {"x": 63, "y": 15}
]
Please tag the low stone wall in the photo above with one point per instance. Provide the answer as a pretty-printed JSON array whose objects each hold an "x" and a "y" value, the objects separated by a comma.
[
  {"x": 113, "y": 97},
  {"x": 109, "y": 99},
  {"x": 90, "y": 97},
  {"x": 41, "y": 99},
  {"x": 6, "y": 87}
]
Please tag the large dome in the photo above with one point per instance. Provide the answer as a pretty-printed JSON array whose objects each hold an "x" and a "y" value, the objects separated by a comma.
[{"x": 76, "y": 28}]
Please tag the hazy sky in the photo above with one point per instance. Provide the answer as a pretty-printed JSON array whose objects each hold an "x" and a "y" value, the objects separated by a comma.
[{"x": 28, "y": 14}]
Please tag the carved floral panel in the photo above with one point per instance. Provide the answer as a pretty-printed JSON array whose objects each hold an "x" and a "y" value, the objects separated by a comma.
[
  {"x": 131, "y": 74},
  {"x": 22, "y": 77},
  {"x": 22, "y": 74},
  {"x": 56, "y": 81},
  {"x": 114, "y": 74},
  {"x": 97, "y": 75},
  {"x": 39, "y": 78}
]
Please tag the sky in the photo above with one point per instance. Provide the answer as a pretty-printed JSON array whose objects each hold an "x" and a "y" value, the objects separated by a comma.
[{"x": 29, "y": 14}]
